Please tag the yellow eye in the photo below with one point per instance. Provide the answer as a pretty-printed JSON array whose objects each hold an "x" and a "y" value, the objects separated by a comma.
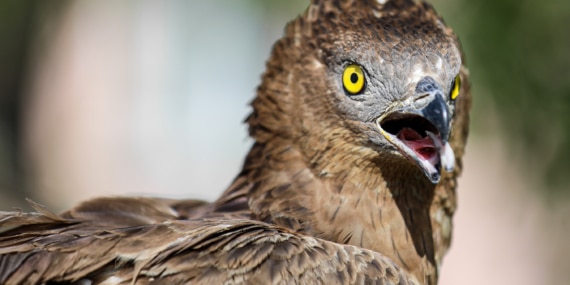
[
  {"x": 456, "y": 87},
  {"x": 353, "y": 79}
]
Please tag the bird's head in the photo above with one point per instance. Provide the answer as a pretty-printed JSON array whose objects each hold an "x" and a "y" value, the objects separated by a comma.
[{"x": 367, "y": 78}]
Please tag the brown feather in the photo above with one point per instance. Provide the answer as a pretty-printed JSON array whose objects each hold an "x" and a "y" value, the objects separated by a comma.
[{"x": 317, "y": 202}]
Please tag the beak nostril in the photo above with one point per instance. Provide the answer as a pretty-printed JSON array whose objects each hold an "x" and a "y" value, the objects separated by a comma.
[
  {"x": 421, "y": 97},
  {"x": 423, "y": 100}
]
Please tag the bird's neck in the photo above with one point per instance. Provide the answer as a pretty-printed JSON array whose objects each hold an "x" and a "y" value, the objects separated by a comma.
[{"x": 346, "y": 194}]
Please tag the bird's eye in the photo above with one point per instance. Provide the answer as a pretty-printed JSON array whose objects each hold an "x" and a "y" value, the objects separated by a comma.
[
  {"x": 353, "y": 79},
  {"x": 456, "y": 86}
]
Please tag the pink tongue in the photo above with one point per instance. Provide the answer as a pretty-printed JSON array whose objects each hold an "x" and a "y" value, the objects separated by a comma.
[{"x": 424, "y": 147}]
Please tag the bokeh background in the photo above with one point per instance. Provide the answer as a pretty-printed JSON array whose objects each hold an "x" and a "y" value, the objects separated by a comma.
[{"x": 148, "y": 98}]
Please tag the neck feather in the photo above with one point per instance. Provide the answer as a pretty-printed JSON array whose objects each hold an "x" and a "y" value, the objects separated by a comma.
[{"x": 346, "y": 194}]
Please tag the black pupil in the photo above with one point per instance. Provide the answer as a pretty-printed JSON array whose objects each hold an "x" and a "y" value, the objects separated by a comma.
[{"x": 354, "y": 78}]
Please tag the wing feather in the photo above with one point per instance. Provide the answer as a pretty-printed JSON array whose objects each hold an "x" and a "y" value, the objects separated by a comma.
[{"x": 69, "y": 248}]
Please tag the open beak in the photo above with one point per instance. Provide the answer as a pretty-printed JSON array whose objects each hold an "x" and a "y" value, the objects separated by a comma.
[{"x": 421, "y": 133}]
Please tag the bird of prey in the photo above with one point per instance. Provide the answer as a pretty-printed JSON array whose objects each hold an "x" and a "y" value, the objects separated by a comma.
[{"x": 359, "y": 126}]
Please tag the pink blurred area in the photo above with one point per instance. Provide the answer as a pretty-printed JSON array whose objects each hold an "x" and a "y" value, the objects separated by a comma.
[
  {"x": 503, "y": 232},
  {"x": 142, "y": 98},
  {"x": 148, "y": 98}
]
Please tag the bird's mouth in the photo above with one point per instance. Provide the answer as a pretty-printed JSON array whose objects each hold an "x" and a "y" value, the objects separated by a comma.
[{"x": 421, "y": 136}]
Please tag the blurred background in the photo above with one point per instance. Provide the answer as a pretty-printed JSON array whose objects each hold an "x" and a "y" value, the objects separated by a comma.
[{"x": 148, "y": 98}]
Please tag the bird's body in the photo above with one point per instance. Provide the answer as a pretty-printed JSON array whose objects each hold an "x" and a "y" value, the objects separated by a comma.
[{"x": 341, "y": 186}]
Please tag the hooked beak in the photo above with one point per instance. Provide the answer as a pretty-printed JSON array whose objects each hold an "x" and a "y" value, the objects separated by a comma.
[{"x": 420, "y": 130}]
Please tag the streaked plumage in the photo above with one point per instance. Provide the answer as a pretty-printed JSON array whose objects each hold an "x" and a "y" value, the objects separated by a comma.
[{"x": 335, "y": 189}]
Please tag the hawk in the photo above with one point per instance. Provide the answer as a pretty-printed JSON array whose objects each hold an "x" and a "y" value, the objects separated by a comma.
[{"x": 359, "y": 126}]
